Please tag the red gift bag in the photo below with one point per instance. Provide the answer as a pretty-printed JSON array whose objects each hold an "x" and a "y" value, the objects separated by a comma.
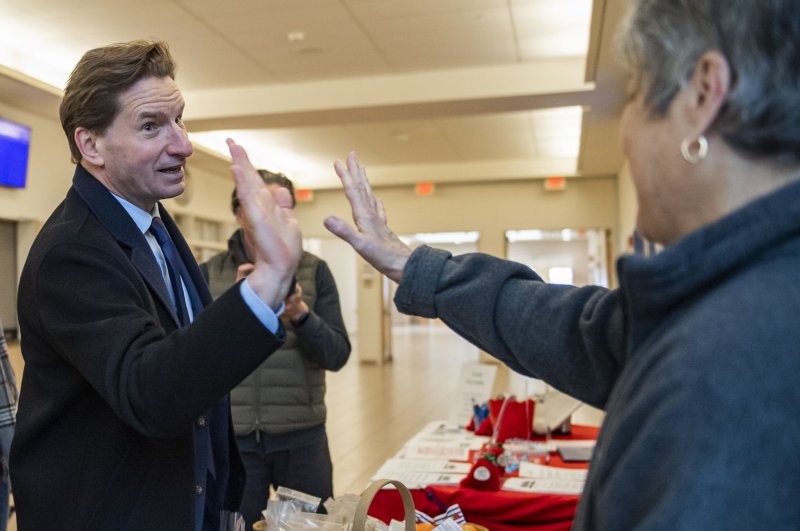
[{"x": 511, "y": 419}]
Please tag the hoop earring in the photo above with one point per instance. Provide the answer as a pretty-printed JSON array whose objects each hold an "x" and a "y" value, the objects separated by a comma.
[{"x": 699, "y": 155}]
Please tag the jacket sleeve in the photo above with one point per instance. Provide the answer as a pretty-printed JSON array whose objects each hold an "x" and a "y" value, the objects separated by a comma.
[
  {"x": 323, "y": 336},
  {"x": 571, "y": 337},
  {"x": 95, "y": 311}
]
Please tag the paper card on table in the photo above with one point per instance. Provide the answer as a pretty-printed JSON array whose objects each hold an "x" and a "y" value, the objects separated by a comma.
[
  {"x": 532, "y": 470},
  {"x": 574, "y": 443},
  {"x": 436, "y": 451},
  {"x": 465, "y": 439},
  {"x": 552, "y": 410},
  {"x": 419, "y": 480},
  {"x": 441, "y": 428},
  {"x": 475, "y": 384},
  {"x": 549, "y": 486},
  {"x": 426, "y": 465},
  {"x": 468, "y": 441}
]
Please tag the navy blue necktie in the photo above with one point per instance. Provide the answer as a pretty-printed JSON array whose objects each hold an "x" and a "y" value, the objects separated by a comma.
[
  {"x": 174, "y": 266},
  {"x": 203, "y": 445}
]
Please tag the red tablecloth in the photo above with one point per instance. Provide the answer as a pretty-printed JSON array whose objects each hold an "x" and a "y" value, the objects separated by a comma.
[{"x": 498, "y": 511}]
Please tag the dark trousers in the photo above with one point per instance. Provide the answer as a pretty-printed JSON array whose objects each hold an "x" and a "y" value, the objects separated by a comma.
[{"x": 307, "y": 469}]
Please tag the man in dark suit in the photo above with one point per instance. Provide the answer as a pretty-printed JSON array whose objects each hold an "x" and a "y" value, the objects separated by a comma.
[{"x": 123, "y": 420}]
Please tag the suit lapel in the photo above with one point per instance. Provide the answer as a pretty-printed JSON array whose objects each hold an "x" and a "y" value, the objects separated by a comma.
[{"x": 124, "y": 230}]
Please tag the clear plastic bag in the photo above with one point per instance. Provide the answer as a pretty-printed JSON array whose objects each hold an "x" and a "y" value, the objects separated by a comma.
[{"x": 300, "y": 521}]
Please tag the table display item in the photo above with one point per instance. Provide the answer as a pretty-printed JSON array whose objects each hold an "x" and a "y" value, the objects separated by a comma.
[{"x": 487, "y": 470}]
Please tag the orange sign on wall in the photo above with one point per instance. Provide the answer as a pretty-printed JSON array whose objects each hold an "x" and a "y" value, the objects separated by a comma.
[
  {"x": 555, "y": 184},
  {"x": 424, "y": 188},
  {"x": 304, "y": 195}
]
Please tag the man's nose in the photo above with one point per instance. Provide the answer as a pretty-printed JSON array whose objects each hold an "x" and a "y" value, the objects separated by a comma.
[{"x": 179, "y": 142}]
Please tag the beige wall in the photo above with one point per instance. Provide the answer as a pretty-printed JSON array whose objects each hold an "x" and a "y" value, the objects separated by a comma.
[
  {"x": 490, "y": 208},
  {"x": 49, "y": 175},
  {"x": 626, "y": 210},
  {"x": 49, "y": 168}
]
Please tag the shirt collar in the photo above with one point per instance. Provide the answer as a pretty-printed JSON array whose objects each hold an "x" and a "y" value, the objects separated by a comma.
[{"x": 142, "y": 218}]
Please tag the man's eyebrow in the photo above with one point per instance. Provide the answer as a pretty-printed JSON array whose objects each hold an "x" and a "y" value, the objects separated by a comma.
[{"x": 151, "y": 115}]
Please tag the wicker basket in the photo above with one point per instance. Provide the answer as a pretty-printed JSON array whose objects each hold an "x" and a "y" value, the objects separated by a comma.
[{"x": 360, "y": 518}]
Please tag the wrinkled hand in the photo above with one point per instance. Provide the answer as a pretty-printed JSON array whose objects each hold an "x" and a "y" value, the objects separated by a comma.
[
  {"x": 295, "y": 306},
  {"x": 269, "y": 220},
  {"x": 372, "y": 238}
]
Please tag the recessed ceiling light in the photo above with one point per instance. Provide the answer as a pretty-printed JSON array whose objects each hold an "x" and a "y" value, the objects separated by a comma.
[{"x": 296, "y": 36}]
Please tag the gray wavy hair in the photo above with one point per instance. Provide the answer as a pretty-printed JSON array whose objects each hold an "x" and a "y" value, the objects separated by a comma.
[{"x": 662, "y": 40}]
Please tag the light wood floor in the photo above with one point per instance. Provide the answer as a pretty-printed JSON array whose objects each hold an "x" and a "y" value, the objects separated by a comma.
[{"x": 373, "y": 410}]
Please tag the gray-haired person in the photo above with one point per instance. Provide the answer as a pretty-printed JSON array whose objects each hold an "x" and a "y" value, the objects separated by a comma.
[{"x": 696, "y": 357}]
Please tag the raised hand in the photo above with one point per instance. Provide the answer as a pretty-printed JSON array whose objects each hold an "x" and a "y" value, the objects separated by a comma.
[
  {"x": 372, "y": 238},
  {"x": 295, "y": 306},
  {"x": 274, "y": 231}
]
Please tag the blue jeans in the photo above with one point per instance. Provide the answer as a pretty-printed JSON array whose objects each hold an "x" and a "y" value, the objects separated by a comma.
[{"x": 307, "y": 469}]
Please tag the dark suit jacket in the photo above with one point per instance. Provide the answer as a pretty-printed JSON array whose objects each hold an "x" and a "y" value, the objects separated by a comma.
[{"x": 112, "y": 387}]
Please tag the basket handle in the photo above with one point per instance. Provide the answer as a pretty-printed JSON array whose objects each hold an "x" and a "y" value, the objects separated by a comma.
[{"x": 360, "y": 518}]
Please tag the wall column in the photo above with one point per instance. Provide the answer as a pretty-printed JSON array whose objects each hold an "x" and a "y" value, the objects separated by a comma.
[{"x": 374, "y": 326}]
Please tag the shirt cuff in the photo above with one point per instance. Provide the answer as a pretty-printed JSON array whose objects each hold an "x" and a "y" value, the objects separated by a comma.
[{"x": 265, "y": 314}]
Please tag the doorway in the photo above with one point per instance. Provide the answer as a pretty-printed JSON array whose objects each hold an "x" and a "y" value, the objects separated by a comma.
[
  {"x": 577, "y": 257},
  {"x": 568, "y": 256},
  {"x": 8, "y": 277}
]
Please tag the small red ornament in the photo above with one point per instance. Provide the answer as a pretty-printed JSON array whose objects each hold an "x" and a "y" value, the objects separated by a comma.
[
  {"x": 486, "y": 472},
  {"x": 484, "y": 475}
]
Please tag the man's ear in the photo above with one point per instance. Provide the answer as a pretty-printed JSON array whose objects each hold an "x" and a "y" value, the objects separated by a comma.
[
  {"x": 707, "y": 90},
  {"x": 87, "y": 144}
]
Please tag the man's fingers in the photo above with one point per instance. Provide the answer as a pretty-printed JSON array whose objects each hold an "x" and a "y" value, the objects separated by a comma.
[
  {"x": 243, "y": 171},
  {"x": 240, "y": 162},
  {"x": 238, "y": 153}
]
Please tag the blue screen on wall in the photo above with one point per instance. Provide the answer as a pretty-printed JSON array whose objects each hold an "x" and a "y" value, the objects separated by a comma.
[{"x": 15, "y": 142}]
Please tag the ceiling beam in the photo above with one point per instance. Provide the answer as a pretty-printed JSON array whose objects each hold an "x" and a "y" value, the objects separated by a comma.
[{"x": 506, "y": 88}]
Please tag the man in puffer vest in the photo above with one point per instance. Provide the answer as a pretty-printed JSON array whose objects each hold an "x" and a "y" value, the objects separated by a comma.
[{"x": 279, "y": 410}]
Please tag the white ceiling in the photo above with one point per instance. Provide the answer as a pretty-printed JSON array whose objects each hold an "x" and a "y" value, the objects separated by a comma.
[{"x": 422, "y": 90}]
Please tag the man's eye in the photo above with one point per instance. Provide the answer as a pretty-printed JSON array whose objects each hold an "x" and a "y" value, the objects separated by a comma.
[{"x": 149, "y": 126}]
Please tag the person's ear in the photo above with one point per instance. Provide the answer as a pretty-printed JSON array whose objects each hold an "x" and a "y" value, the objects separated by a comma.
[
  {"x": 707, "y": 90},
  {"x": 87, "y": 144},
  {"x": 240, "y": 219}
]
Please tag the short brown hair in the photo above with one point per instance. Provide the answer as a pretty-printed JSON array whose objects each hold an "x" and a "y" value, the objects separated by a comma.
[
  {"x": 91, "y": 95},
  {"x": 268, "y": 177}
]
